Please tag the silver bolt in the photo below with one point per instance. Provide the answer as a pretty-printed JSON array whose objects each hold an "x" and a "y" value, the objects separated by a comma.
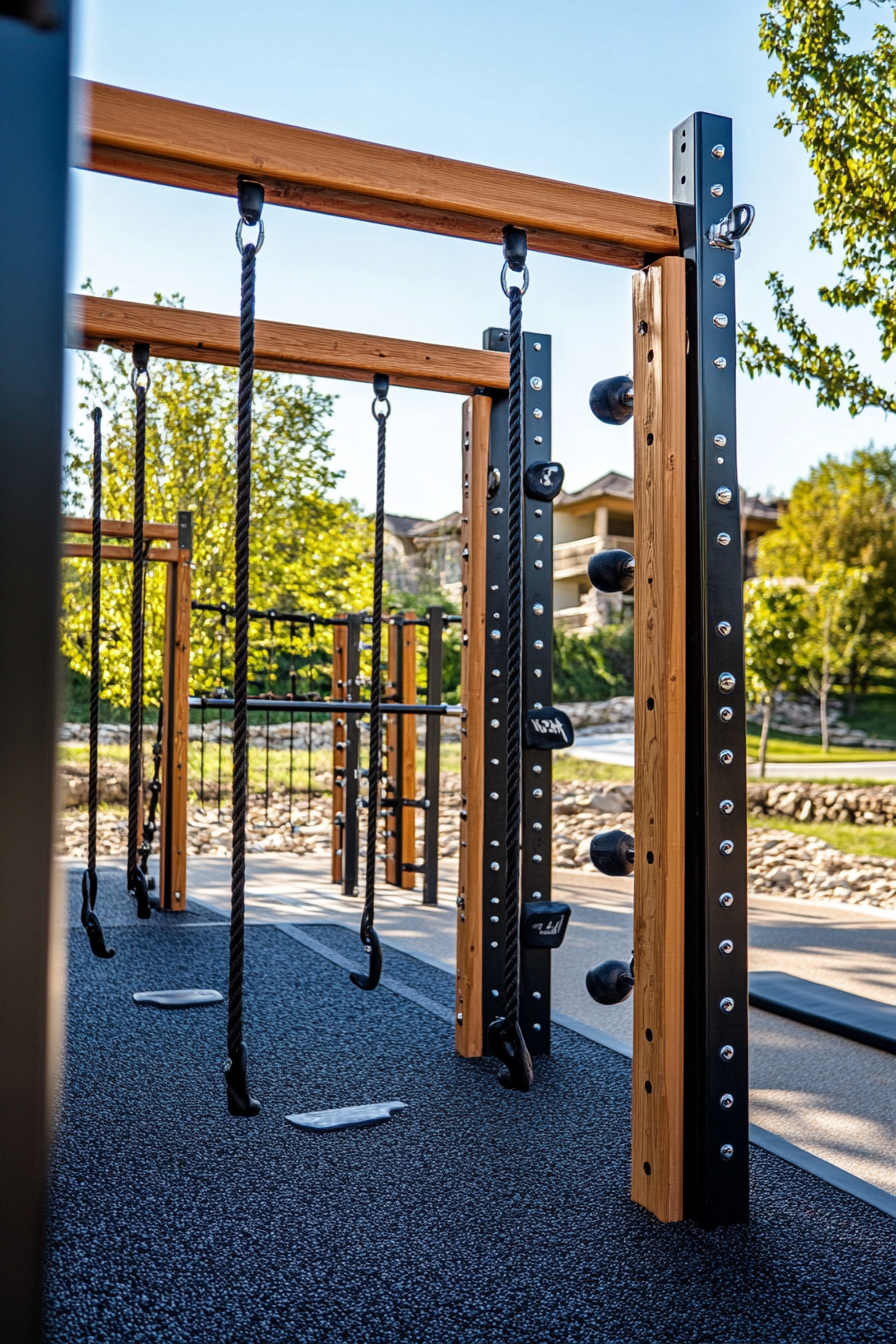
[
  {"x": 495, "y": 844},
  {"x": 726, "y": 756},
  {"x": 726, "y": 1101},
  {"x": 496, "y": 634},
  {"x": 538, "y": 537},
  {"x": 537, "y": 670},
  {"x": 538, "y": 609},
  {"x": 726, "y": 713},
  {"x": 537, "y": 793},
  {"x": 537, "y": 414},
  {"x": 723, "y": 495},
  {"x": 494, "y": 797},
  {"x": 719, "y": 279},
  {"x": 496, "y": 867},
  {"x": 720, "y": 441},
  {"x": 720, "y": 320},
  {"x": 494, "y": 993},
  {"x": 536, "y": 345},
  {"x": 721, "y": 461},
  {"x": 727, "y": 1005},
  {"x": 726, "y": 1152},
  {"x": 723, "y": 539},
  {"x": 727, "y": 1053},
  {"x": 727, "y": 681},
  {"x": 718, "y": 151},
  {"x": 536, "y": 896},
  {"x": 539, "y": 644},
  {"x": 539, "y": 564},
  {"x": 536, "y": 858},
  {"x": 726, "y": 899},
  {"x": 495, "y": 900},
  {"x": 536, "y": 769},
  {"x": 716, "y": 189},
  {"x": 720, "y": 362},
  {"x": 494, "y": 919},
  {"x": 536, "y": 384},
  {"x": 495, "y": 723},
  {"x": 538, "y": 439},
  {"x": 537, "y": 826},
  {"x": 460, "y": 1017},
  {"x": 536, "y": 1026},
  {"x": 726, "y": 848},
  {"x": 726, "y": 947},
  {"x": 493, "y": 944},
  {"x": 726, "y": 806},
  {"x": 496, "y": 671},
  {"x": 496, "y": 536},
  {"x": 724, "y": 627}
]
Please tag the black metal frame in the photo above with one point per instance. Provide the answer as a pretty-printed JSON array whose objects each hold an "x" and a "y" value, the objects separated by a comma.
[
  {"x": 351, "y": 761},
  {"x": 432, "y": 756},
  {"x": 716, "y": 1130}
]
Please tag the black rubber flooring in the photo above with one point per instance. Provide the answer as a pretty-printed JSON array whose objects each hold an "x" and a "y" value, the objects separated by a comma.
[{"x": 476, "y": 1215}]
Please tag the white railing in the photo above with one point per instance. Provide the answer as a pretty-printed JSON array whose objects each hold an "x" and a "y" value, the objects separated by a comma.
[{"x": 571, "y": 557}]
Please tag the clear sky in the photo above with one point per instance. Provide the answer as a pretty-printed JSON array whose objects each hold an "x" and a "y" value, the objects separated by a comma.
[{"x": 583, "y": 90}]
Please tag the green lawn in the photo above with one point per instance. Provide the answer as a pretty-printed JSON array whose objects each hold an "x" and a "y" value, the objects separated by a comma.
[
  {"x": 785, "y": 747},
  {"x": 875, "y": 714},
  {"x": 880, "y": 840}
]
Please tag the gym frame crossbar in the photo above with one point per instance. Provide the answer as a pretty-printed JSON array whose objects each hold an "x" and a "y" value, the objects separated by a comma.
[{"x": 689, "y": 1068}]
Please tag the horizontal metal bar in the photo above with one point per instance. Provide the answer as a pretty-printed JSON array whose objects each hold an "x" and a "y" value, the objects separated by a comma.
[
  {"x": 322, "y": 706},
  {"x": 307, "y": 618}
]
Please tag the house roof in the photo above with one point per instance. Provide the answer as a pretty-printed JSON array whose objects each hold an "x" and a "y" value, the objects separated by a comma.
[
  {"x": 755, "y": 507},
  {"x": 613, "y": 484},
  {"x": 401, "y": 525}
]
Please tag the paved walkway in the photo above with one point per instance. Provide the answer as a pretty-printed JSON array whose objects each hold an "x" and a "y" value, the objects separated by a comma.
[
  {"x": 619, "y": 749},
  {"x": 834, "y": 1097}
]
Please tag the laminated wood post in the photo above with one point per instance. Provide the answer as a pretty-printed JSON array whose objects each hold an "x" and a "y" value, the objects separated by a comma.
[
  {"x": 660, "y": 531},
  {"x": 176, "y": 725},
  {"x": 401, "y": 753},
  {"x": 338, "y": 692},
  {"x": 469, "y": 1025}
]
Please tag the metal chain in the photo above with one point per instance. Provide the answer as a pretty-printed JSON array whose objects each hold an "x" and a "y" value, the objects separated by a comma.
[{"x": 239, "y": 1102}]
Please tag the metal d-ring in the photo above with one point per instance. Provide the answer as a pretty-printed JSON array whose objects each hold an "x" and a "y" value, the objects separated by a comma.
[
  {"x": 136, "y": 375},
  {"x": 239, "y": 237},
  {"x": 381, "y": 401},
  {"x": 504, "y": 269}
]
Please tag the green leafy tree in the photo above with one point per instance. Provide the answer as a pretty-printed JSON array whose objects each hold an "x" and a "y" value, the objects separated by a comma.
[
  {"x": 839, "y": 606},
  {"x": 775, "y": 626},
  {"x": 596, "y": 666},
  {"x": 310, "y": 550},
  {"x": 842, "y": 103}
]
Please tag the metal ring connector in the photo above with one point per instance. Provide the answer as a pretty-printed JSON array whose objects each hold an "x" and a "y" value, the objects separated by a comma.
[
  {"x": 240, "y": 247},
  {"x": 381, "y": 402},
  {"x": 525, "y": 284},
  {"x": 140, "y": 378}
]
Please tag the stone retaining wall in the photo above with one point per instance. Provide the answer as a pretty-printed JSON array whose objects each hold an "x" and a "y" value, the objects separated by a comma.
[{"x": 874, "y": 805}]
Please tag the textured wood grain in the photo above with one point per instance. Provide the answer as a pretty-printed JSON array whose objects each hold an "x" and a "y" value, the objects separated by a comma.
[
  {"x": 213, "y": 338},
  {"x": 658, "y": 1032},
  {"x": 120, "y": 527},
  {"x": 338, "y": 692},
  {"x": 468, "y": 1031},
  {"x": 401, "y": 751},
  {"x": 154, "y": 139},
  {"x": 175, "y": 738},
  {"x": 75, "y": 550}
]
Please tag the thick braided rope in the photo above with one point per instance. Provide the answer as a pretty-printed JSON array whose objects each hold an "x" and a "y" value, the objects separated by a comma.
[
  {"x": 136, "y": 724},
  {"x": 514, "y": 661},
  {"x": 241, "y": 651},
  {"x": 95, "y": 597},
  {"x": 374, "y": 758}
]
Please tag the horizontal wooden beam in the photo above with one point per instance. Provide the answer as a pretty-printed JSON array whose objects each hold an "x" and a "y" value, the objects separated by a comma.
[
  {"x": 153, "y": 139},
  {"x": 211, "y": 338},
  {"x": 121, "y": 527},
  {"x": 76, "y": 551}
]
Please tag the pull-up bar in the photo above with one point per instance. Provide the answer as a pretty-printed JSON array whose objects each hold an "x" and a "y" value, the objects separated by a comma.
[
  {"x": 323, "y": 706},
  {"x": 177, "y": 144}
]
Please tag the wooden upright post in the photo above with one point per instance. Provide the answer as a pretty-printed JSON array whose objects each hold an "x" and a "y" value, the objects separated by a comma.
[
  {"x": 401, "y": 753},
  {"x": 339, "y": 692},
  {"x": 176, "y": 725},
  {"x": 469, "y": 1026},
  {"x": 660, "y": 532}
]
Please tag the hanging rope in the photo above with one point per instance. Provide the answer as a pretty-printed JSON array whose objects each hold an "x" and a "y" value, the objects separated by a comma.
[
  {"x": 381, "y": 411},
  {"x": 155, "y": 792},
  {"x": 89, "y": 918},
  {"x": 136, "y": 880},
  {"x": 251, "y": 200},
  {"x": 505, "y": 1035}
]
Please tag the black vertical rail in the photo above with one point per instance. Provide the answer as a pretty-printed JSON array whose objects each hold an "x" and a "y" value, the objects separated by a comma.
[
  {"x": 351, "y": 760},
  {"x": 136, "y": 880},
  {"x": 538, "y": 619},
  {"x": 238, "y": 1100},
  {"x": 433, "y": 744},
  {"x": 716, "y": 1074}
]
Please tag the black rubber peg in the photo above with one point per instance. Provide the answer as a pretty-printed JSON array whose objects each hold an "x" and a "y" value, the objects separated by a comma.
[
  {"x": 612, "y": 571},
  {"x": 90, "y": 920},
  {"x": 238, "y": 1100},
  {"x": 613, "y": 853},
  {"x": 507, "y": 1044},
  {"x": 612, "y": 400},
  {"x": 611, "y": 982},
  {"x": 543, "y": 481},
  {"x": 372, "y": 979}
]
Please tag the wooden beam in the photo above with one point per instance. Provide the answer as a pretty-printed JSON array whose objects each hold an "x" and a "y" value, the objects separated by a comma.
[
  {"x": 175, "y": 738},
  {"x": 212, "y": 338},
  {"x": 76, "y": 551},
  {"x": 469, "y": 1026},
  {"x": 660, "y": 529},
  {"x": 138, "y": 135},
  {"x": 120, "y": 527}
]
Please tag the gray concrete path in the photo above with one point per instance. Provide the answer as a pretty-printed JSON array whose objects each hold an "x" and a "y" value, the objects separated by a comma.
[
  {"x": 881, "y": 771},
  {"x": 831, "y": 1096}
]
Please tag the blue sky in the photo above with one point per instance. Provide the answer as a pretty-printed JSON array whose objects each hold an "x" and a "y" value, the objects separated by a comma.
[{"x": 586, "y": 92}]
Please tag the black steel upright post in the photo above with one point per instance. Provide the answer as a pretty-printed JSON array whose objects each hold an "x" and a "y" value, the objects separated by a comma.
[
  {"x": 34, "y": 154},
  {"x": 433, "y": 744},
  {"x": 538, "y": 649},
  {"x": 716, "y": 1076},
  {"x": 352, "y": 759}
]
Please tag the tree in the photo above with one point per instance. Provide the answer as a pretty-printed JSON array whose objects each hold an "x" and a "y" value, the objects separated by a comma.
[
  {"x": 310, "y": 551},
  {"x": 842, "y": 518},
  {"x": 775, "y": 625},
  {"x": 843, "y": 104},
  {"x": 839, "y": 606}
]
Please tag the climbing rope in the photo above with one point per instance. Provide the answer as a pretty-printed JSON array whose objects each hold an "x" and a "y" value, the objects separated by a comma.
[
  {"x": 505, "y": 1035},
  {"x": 136, "y": 880},
  {"x": 381, "y": 411},
  {"x": 89, "y": 918},
  {"x": 155, "y": 792},
  {"x": 251, "y": 200}
]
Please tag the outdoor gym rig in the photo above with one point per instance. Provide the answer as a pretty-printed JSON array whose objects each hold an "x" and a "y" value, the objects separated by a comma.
[{"x": 689, "y": 1131}]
